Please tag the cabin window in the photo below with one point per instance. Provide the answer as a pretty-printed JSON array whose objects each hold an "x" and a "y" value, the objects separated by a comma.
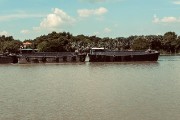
[{"x": 27, "y": 51}]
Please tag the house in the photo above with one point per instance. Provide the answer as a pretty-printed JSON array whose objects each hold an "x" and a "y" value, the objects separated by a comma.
[{"x": 26, "y": 44}]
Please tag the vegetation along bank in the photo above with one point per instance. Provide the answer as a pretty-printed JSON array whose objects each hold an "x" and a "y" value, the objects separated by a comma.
[{"x": 64, "y": 41}]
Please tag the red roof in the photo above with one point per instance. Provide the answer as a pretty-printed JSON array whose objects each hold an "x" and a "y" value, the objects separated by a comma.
[{"x": 27, "y": 43}]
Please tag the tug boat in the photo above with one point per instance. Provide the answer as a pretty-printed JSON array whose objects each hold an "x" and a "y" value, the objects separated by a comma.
[{"x": 104, "y": 55}]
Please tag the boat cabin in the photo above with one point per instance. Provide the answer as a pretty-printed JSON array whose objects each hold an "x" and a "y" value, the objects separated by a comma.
[
  {"x": 28, "y": 51},
  {"x": 92, "y": 50}
]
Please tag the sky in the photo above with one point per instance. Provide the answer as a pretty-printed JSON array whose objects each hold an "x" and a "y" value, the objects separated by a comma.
[{"x": 28, "y": 19}]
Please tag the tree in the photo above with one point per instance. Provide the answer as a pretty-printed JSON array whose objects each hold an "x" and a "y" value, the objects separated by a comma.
[
  {"x": 123, "y": 43},
  {"x": 8, "y": 44},
  {"x": 154, "y": 41},
  {"x": 177, "y": 44},
  {"x": 56, "y": 45},
  {"x": 43, "y": 46},
  {"x": 130, "y": 40},
  {"x": 11, "y": 46},
  {"x": 140, "y": 43},
  {"x": 168, "y": 41}
]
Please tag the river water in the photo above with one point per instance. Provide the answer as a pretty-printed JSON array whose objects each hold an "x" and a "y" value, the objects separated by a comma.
[{"x": 91, "y": 91}]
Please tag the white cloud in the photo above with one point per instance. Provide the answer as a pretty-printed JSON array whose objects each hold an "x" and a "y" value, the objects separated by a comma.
[
  {"x": 90, "y": 12},
  {"x": 103, "y": 32},
  {"x": 177, "y": 2},
  {"x": 169, "y": 19},
  {"x": 156, "y": 19},
  {"x": 4, "y": 33},
  {"x": 96, "y": 33},
  {"x": 56, "y": 19},
  {"x": 165, "y": 19},
  {"x": 36, "y": 28},
  {"x": 24, "y": 31},
  {"x": 107, "y": 30},
  {"x": 19, "y": 16}
]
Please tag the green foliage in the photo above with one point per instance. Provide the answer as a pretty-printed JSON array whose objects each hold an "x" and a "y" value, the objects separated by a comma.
[
  {"x": 53, "y": 42},
  {"x": 169, "y": 41},
  {"x": 154, "y": 41},
  {"x": 124, "y": 43},
  {"x": 43, "y": 46},
  {"x": 64, "y": 41},
  {"x": 8, "y": 44},
  {"x": 140, "y": 43},
  {"x": 11, "y": 46}
]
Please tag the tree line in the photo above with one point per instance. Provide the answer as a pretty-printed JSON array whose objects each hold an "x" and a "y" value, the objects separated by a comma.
[
  {"x": 65, "y": 41},
  {"x": 9, "y": 44}
]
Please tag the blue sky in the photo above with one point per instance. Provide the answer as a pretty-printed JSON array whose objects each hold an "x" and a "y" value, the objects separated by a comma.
[{"x": 28, "y": 19}]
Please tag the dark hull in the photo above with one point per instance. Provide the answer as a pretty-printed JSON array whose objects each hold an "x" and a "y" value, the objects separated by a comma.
[
  {"x": 6, "y": 59},
  {"x": 123, "y": 56},
  {"x": 51, "y": 57}
]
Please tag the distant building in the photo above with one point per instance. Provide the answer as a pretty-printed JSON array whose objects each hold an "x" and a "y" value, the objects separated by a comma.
[{"x": 27, "y": 44}]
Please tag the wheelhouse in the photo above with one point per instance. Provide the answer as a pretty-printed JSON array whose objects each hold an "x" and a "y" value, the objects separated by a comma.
[{"x": 28, "y": 51}]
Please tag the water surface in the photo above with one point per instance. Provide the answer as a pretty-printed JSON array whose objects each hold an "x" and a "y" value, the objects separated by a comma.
[{"x": 91, "y": 91}]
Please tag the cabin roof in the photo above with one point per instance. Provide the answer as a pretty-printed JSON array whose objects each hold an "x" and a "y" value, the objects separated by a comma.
[{"x": 97, "y": 48}]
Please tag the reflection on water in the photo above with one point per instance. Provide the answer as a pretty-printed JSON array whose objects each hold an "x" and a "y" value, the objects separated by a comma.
[
  {"x": 124, "y": 64},
  {"x": 169, "y": 58},
  {"x": 91, "y": 91}
]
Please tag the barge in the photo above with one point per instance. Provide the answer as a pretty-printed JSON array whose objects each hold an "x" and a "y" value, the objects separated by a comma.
[
  {"x": 104, "y": 55},
  {"x": 96, "y": 55},
  {"x": 32, "y": 56}
]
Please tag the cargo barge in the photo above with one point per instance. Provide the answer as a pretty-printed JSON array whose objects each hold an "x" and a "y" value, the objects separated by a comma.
[
  {"x": 96, "y": 55},
  {"x": 104, "y": 55},
  {"x": 32, "y": 56}
]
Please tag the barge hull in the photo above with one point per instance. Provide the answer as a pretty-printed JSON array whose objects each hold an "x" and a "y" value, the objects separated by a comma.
[
  {"x": 8, "y": 59},
  {"x": 123, "y": 58},
  {"x": 46, "y": 57}
]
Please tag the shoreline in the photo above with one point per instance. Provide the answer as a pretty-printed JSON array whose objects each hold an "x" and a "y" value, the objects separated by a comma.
[{"x": 169, "y": 54}]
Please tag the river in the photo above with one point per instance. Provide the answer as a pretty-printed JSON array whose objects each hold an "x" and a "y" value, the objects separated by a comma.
[{"x": 91, "y": 91}]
